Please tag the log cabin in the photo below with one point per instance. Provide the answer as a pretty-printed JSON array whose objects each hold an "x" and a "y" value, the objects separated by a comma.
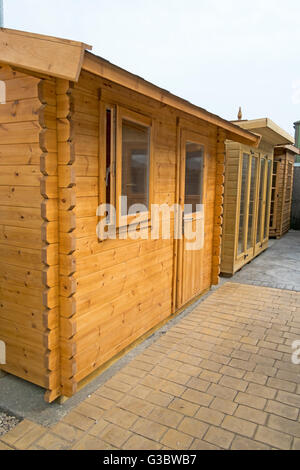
[
  {"x": 247, "y": 196},
  {"x": 76, "y": 133},
  {"x": 282, "y": 190}
]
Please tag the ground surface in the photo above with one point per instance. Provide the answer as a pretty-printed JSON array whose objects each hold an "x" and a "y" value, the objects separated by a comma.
[
  {"x": 222, "y": 378},
  {"x": 279, "y": 266},
  {"x": 218, "y": 376}
]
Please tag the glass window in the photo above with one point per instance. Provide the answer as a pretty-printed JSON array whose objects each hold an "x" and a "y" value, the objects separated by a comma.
[
  {"x": 252, "y": 202},
  {"x": 135, "y": 163},
  {"x": 261, "y": 199},
  {"x": 268, "y": 199},
  {"x": 108, "y": 154},
  {"x": 288, "y": 194},
  {"x": 194, "y": 175},
  {"x": 243, "y": 202}
]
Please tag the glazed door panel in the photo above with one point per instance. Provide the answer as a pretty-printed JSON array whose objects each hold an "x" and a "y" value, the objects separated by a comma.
[
  {"x": 192, "y": 201},
  {"x": 266, "y": 227},
  {"x": 252, "y": 204},
  {"x": 263, "y": 203},
  {"x": 247, "y": 207}
]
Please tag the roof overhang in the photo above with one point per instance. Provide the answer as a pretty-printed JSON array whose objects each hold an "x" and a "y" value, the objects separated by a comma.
[
  {"x": 65, "y": 59},
  {"x": 43, "y": 54},
  {"x": 269, "y": 131},
  {"x": 288, "y": 148},
  {"x": 105, "y": 69}
]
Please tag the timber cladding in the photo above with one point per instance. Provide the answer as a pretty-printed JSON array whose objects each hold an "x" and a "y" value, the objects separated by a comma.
[
  {"x": 247, "y": 199},
  {"x": 26, "y": 325},
  {"x": 71, "y": 301},
  {"x": 282, "y": 190},
  {"x": 249, "y": 189}
]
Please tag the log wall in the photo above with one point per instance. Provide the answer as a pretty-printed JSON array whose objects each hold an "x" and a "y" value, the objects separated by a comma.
[
  {"x": 28, "y": 229},
  {"x": 282, "y": 192},
  {"x": 68, "y": 302}
]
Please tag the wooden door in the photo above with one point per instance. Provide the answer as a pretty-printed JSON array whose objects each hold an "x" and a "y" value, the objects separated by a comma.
[
  {"x": 247, "y": 190},
  {"x": 252, "y": 206},
  {"x": 192, "y": 198},
  {"x": 268, "y": 195},
  {"x": 274, "y": 196},
  {"x": 263, "y": 203},
  {"x": 243, "y": 204}
]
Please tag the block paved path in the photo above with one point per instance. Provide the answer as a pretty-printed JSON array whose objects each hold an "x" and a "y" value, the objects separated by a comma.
[{"x": 222, "y": 378}]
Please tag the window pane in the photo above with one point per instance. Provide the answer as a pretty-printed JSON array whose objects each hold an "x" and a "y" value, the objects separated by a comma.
[
  {"x": 251, "y": 202},
  {"x": 273, "y": 195},
  {"x": 244, "y": 189},
  {"x": 267, "y": 211},
  {"x": 261, "y": 199},
  {"x": 135, "y": 164},
  {"x": 108, "y": 154},
  {"x": 193, "y": 175}
]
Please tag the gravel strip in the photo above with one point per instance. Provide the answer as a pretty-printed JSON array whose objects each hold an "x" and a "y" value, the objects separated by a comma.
[{"x": 7, "y": 423}]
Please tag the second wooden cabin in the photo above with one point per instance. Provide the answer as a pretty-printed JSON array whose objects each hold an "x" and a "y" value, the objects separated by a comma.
[
  {"x": 282, "y": 190},
  {"x": 247, "y": 197},
  {"x": 76, "y": 132}
]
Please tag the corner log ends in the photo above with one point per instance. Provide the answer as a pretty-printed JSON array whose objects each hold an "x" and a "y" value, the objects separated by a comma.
[{"x": 219, "y": 199}]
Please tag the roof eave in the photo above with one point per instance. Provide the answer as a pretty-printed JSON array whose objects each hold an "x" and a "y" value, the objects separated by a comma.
[
  {"x": 106, "y": 70},
  {"x": 42, "y": 54}
]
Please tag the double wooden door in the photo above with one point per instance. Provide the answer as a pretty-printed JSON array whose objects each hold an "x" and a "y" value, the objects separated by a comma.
[{"x": 254, "y": 194}]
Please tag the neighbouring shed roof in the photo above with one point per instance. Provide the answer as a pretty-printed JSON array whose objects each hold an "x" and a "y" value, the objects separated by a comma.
[
  {"x": 269, "y": 131},
  {"x": 289, "y": 148},
  {"x": 65, "y": 59}
]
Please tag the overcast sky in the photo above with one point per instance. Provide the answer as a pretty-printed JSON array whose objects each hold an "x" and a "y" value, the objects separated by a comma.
[{"x": 218, "y": 54}]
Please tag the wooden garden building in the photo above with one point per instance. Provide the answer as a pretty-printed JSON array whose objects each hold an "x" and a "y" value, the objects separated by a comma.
[
  {"x": 247, "y": 196},
  {"x": 282, "y": 190},
  {"x": 75, "y": 132}
]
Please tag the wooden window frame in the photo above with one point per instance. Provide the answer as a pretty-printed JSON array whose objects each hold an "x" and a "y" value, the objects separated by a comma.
[
  {"x": 104, "y": 106},
  {"x": 146, "y": 121},
  {"x": 268, "y": 197},
  {"x": 118, "y": 115},
  {"x": 241, "y": 255}
]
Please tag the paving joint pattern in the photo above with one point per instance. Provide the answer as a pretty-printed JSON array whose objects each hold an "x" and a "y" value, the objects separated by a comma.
[{"x": 221, "y": 378}]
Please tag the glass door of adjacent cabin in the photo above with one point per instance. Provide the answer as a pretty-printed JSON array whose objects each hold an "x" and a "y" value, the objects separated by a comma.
[
  {"x": 263, "y": 203},
  {"x": 247, "y": 206},
  {"x": 191, "y": 271},
  {"x": 274, "y": 195},
  {"x": 266, "y": 221}
]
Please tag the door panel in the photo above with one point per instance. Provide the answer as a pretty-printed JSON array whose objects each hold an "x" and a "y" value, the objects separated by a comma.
[
  {"x": 268, "y": 200},
  {"x": 242, "y": 234},
  {"x": 252, "y": 204},
  {"x": 192, "y": 201},
  {"x": 261, "y": 205}
]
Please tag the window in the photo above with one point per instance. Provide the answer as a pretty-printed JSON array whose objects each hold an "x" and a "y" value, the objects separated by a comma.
[
  {"x": 253, "y": 182},
  {"x": 193, "y": 175},
  {"x": 135, "y": 164},
  {"x": 107, "y": 155},
  {"x": 243, "y": 203},
  {"x": 125, "y": 163},
  {"x": 289, "y": 182},
  {"x": 268, "y": 199},
  {"x": 261, "y": 200}
]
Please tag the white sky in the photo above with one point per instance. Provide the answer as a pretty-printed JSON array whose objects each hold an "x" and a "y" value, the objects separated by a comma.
[{"x": 218, "y": 54}]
